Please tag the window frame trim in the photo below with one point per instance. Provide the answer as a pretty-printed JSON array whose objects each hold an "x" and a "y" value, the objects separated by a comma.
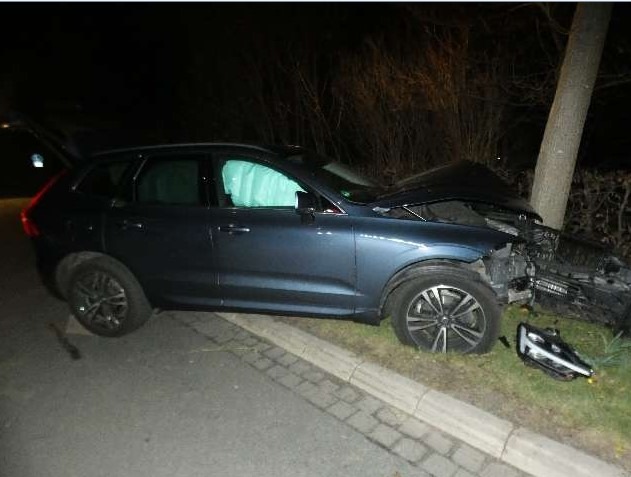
[{"x": 85, "y": 172}]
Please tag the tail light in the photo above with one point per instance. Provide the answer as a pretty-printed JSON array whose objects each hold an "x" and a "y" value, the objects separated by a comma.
[{"x": 28, "y": 225}]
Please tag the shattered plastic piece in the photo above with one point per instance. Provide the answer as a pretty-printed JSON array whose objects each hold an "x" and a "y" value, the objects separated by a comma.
[{"x": 544, "y": 349}]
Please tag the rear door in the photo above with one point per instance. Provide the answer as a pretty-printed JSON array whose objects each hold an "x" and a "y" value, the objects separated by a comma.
[
  {"x": 160, "y": 229},
  {"x": 80, "y": 223},
  {"x": 268, "y": 257}
]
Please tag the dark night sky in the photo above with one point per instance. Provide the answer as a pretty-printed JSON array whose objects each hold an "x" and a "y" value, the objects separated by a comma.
[
  {"x": 121, "y": 63},
  {"x": 105, "y": 56}
]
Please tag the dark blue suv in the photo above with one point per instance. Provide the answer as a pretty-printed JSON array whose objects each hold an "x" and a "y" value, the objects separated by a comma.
[{"x": 282, "y": 230}]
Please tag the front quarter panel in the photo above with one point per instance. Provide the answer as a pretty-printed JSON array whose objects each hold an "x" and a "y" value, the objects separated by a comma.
[{"x": 385, "y": 246}]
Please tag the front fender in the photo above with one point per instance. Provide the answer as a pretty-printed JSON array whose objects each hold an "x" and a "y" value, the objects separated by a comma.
[{"x": 387, "y": 246}]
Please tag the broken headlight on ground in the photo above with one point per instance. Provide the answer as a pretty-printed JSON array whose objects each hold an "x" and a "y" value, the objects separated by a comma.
[{"x": 544, "y": 349}]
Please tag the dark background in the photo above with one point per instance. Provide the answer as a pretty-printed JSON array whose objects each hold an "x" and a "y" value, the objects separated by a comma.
[{"x": 175, "y": 72}]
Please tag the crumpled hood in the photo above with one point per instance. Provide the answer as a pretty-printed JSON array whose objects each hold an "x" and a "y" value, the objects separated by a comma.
[{"x": 463, "y": 180}]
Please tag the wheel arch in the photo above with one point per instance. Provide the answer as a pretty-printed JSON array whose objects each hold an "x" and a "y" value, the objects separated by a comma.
[
  {"x": 105, "y": 296},
  {"x": 475, "y": 270},
  {"x": 67, "y": 265}
]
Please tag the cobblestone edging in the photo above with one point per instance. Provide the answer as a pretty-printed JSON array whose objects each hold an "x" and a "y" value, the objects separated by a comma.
[
  {"x": 433, "y": 452},
  {"x": 500, "y": 439}
]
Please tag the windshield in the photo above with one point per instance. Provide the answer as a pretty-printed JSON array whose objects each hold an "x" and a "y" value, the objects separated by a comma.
[{"x": 349, "y": 183}]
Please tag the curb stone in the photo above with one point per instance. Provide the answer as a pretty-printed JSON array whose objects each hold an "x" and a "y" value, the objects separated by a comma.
[
  {"x": 394, "y": 389},
  {"x": 466, "y": 422},
  {"x": 519, "y": 447},
  {"x": 526, "y": 449},
  {"x": 338, "y": 362}
]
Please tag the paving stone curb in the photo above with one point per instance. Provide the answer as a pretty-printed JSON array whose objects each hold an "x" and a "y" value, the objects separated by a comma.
[
  {"x": 528, "y": 449},
  {"x": 466, "y": 422},
  {"x": 392, "y": 388},
  {"x": 516, "y": 446}
]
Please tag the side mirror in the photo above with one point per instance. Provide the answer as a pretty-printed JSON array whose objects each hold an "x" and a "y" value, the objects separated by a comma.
[{"x": 306, "y": 205}]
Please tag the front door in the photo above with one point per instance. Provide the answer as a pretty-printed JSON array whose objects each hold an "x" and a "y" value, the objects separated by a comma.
[{"x": 268, "y": 257}]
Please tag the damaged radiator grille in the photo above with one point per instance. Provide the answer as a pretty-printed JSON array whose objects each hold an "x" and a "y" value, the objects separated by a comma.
[
  {"x": 563, "y": 253},
  {"x": 552, "y": 287}
]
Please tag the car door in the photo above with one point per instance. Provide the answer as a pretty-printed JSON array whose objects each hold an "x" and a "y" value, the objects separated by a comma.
[
  {"x": 79, "y": 219},
  {"x": 161, "y": 230},
  {"x": 270, "y": 258}
]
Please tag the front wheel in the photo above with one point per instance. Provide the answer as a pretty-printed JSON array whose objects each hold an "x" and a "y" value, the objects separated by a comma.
[{"x": 445, "y": 309}]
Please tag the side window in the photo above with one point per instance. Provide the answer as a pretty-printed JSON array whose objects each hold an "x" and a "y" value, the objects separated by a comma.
[
  {"x": 170, "y": 181},
  {"x": 248, "y": 184},
  {"x": 103, "y": 179}
]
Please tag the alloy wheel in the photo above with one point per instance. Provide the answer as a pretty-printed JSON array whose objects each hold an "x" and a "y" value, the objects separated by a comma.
[
  {"x": 101, "y": 300},
  {"x": 445, "y": 318}
]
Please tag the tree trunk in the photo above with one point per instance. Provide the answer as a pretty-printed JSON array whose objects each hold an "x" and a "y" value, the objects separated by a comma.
[{"x": 562, "y": 137}]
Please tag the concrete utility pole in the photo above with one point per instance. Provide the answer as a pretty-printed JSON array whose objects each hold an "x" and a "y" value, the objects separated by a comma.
[{"x": 562, "y": 137}]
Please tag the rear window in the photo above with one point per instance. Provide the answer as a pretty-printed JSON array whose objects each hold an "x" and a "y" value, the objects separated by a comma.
[
  {"x": 103, "y": 180},
  {"x": 170, "y": 181}
]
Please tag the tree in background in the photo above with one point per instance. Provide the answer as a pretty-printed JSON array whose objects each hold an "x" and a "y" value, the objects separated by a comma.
[
  {"x": 562, "y": 137},
  {"x": 434, "y": 101}
]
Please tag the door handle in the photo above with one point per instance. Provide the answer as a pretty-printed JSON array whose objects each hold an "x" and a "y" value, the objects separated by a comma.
[
  {"x": 234, "y": 229},
  {"x": 128, "y": 224},
  {"x": 71, "y": 226}
]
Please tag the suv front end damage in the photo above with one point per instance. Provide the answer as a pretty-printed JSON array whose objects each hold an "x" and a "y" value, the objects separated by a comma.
[
  {"x": 567, "y": 275},
  {"x": 571, "y": 276},
  {"x": 580, "y": 278}
]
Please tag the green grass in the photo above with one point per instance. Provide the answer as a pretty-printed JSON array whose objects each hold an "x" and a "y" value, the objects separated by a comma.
[{"x": 590, "y": 414}]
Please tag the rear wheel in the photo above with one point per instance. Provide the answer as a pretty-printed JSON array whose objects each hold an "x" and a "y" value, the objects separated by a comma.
[
  {"x": 106, "y": 298},
  {"x": 445, "y": 309}
]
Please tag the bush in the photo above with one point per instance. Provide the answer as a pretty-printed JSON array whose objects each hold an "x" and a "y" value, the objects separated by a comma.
[{"x": 598, "y": 207}]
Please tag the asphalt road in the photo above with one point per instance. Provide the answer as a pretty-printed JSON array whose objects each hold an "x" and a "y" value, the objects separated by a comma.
[{"x": 155, "y": 403}]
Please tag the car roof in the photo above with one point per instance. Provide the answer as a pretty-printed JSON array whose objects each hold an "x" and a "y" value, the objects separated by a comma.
[{"x": 274, "y": 149}]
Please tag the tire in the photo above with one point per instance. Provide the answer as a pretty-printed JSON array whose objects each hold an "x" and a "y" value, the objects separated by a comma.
[
  {"x": 106, "y": 298},
  {"x": 465, "y": 320}
]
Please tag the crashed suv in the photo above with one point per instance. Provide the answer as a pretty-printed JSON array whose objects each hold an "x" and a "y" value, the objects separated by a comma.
[{"x": 283, "y": 230}]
